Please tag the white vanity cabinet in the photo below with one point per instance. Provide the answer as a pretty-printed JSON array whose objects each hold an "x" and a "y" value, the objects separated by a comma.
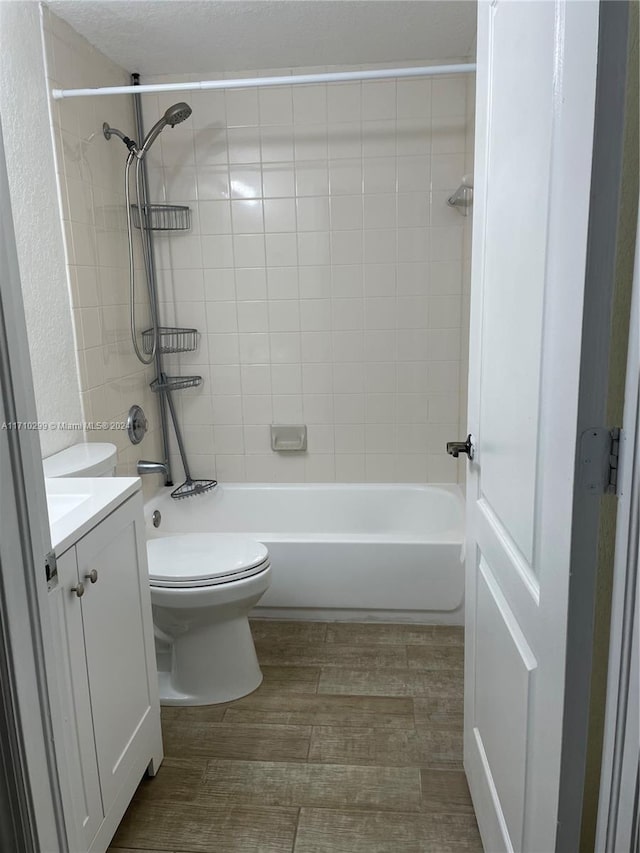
[{"x": 106, "y": 665}]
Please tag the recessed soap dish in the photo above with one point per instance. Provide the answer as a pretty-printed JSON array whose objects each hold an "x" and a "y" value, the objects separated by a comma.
[{"x": 286, "y": 438}]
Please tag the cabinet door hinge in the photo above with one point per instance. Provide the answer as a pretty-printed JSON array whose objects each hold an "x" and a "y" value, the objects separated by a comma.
[
  {"x": 599, "y": 454},
  {"x": 51, "y": 569}
]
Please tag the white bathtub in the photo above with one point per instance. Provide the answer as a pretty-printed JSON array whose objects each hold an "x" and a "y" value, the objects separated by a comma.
[{"x": 354, "y": 552}]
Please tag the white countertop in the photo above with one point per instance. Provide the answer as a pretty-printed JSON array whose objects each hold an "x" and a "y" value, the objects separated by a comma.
[{"x": 76, "y": 504}]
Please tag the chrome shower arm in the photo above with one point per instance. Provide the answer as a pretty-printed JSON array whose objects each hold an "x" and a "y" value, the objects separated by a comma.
[{"x": 109, "y": 131}]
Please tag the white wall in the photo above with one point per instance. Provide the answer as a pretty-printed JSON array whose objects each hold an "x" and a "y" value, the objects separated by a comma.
[
  {"x": 90, "y": 171},
  {"x": 324, "y": 271},
  {"x": 31, "y": 167}
]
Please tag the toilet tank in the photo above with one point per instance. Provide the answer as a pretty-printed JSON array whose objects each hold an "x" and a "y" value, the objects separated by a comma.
[{"x": 82, "y": 460}]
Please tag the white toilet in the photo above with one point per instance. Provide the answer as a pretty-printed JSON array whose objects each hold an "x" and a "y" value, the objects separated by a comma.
[
  {"x": 203, "y": 586},
  {"x": 82, "y": 460}
]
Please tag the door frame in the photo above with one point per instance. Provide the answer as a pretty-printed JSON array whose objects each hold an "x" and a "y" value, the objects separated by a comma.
[
  {"x": 618, "y": 805},
  {"x": 588, "y": 507},
  {"x": 31, "y": 806}
]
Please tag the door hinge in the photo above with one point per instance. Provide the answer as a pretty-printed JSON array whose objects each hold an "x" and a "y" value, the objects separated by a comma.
[
  {"x": 614, "y": 457},
  {"x": 51, "y": 569},
  {"x": 599, "y": 453}
]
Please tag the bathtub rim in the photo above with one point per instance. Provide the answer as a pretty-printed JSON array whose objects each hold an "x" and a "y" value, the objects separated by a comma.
[
  {"x": 452, "y": 534},
  {"x": 455, "y": 489}
]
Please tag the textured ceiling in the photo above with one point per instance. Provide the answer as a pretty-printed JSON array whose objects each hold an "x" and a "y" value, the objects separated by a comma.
[{"x": 191, "y": 36}]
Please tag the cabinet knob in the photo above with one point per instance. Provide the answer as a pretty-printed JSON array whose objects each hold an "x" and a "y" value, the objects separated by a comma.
[
  {"x": 92, "y": 576},
  {"x": 79, "y": 590}
]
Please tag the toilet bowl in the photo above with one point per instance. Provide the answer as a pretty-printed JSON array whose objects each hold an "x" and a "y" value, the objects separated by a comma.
[{"x": 203, "y": 586}]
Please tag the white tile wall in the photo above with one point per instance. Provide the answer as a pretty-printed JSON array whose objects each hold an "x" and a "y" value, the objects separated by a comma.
[
  {"x": 325, "y": 272},
  {"x": 90, "y": 173}
]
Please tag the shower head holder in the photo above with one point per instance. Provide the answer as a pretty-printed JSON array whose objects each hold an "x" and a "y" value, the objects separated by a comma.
[{"x": 109, "y": 131}]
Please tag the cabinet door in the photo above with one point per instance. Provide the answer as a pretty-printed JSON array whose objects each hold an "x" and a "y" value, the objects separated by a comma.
[
  {"x": 116, "y": 613},
  {"x": 83, "y": 804}
]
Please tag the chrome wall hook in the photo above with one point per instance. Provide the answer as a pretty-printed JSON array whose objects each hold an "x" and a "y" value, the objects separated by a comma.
[{"x": 462, "y": 198}]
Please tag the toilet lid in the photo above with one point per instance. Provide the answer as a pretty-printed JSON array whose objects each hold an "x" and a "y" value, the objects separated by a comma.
[{"x": 204, "y": 559}]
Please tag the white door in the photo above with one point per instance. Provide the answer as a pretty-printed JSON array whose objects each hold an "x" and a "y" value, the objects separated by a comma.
[{"x": 535, "y": 115}]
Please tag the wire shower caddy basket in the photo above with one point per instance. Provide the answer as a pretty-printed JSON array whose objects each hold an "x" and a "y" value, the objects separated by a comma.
[
  {"x": 170, "y": 339},
  {"x": 162, "y": 217},
  {"x": 175, "y": 383}
]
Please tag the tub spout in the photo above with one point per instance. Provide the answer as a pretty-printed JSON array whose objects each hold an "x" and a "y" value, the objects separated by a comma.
[{"x": 146, "y": 467}]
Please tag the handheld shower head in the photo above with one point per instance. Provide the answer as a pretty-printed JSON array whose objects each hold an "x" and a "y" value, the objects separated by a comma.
[
  {"x": 173, "y": 116},
  {"x": 177, "y": 113}
]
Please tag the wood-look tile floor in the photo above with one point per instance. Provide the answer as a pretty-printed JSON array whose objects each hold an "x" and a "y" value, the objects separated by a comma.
[{"x": 352, "y": 744}]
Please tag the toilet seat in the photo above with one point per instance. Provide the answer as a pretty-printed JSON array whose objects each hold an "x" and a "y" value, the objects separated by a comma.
[{"x": 204, "y": 559}]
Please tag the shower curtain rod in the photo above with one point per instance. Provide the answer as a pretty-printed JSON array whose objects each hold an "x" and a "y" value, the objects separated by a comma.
[{"x": 291, "y": 80}]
